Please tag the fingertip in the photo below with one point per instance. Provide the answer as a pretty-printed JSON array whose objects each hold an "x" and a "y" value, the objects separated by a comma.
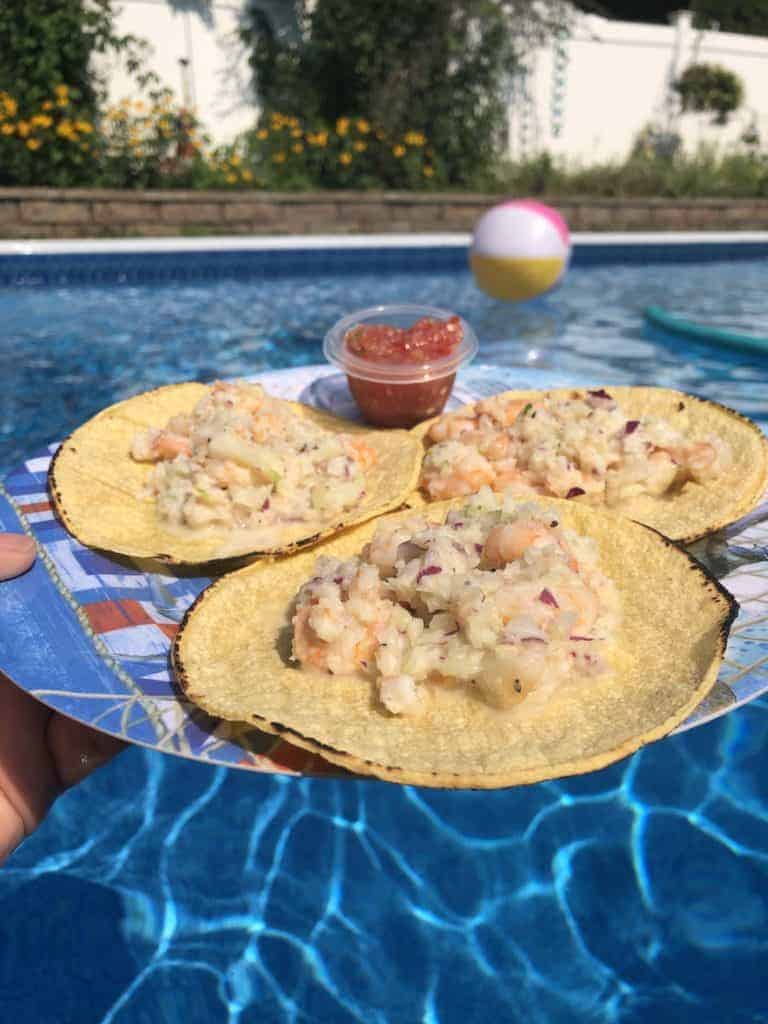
[
  {"x": 12, "y": 830},
  {"x": 17, "y": 553}
]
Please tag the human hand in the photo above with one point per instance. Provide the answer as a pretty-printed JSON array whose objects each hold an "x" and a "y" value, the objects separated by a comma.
[{"x": 42, "y": 752}]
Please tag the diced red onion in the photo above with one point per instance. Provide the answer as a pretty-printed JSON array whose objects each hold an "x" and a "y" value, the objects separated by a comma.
[
  {"x": 575, "y": 492},
  {"x": 590, "y": 638},
  {"x": 547, "y": 597},
  {"x": 631, "y": 426},
  {"x": 265, "y": 506},
  {"x": 601, "y": 393},
  {"x": 429, "y": 570}
]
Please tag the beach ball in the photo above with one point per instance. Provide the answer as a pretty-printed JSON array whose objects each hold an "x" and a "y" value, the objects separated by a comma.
[{"x": 520, "y": 249}]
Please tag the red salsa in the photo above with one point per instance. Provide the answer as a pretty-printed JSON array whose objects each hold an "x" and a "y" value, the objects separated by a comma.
[
  {"x": 425, "y": 341},
  {"x": 398, "y": 403}
]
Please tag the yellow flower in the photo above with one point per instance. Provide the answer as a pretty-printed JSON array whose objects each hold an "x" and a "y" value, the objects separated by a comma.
[
  {"x": 342, "y": 125},
  {"x": 279, "y": 158},
  {"x": 429, "y": 172},
  {"x": 84, "y": 126},
  {"x": 414, "y": 138},
  {"x": 345, "y": 158},
  {"x": 24, "y": 128},
  {"x": 234, "y": 160},
  {"x": 246, "y": 175},
  {"x": 361, "y": 146},
  {"x": 10, "y": 104},
  {"x": 231, "y": 179},
  {"x": 61, "y": 91},
  {"x": 296, "y": 133},
  {"x": 8, "y": 129},
  {"x": 66, "y": 130},
  {"x": 297, "y": 147},
  {"x": 42, "y": 121},
  {"x": 48, "y": 105},
  {"x": 62, "y": 101},
  {"x": 363, "y": 126},
  {"x": 262, "y": 133},
  {"x": 322, "y": 138},
  {"x": 34, "y": 143},
  {"x": 398, "y": 150}
]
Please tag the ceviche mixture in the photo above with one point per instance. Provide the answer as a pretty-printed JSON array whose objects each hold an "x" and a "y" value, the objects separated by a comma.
[
  {"x": 244, "y": 459},
  {"x": 581, "y": 447},
  {"x": 499, "y": 599}
]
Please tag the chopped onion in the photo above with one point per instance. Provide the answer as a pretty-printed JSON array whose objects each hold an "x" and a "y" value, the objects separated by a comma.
[{"x": 429, "y": 570}]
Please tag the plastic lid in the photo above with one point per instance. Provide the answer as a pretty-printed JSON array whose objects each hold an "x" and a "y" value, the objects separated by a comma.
[{"x": 404, "y": 315}]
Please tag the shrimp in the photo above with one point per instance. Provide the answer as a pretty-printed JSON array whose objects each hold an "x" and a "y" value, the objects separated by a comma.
[
  {"x": 363, "y": 454},
  {"x": 227, "y": 473},
  {"x": 462, "y": 481},
  {"x": 451, "y": 427},
  {"x": 504, "y": 411},
  {"x": 581, "y": 601},
  {"x": 494, "y": 445},
  {"x": 154, "y": 445},
  {"x": 348, "y": 643},
  {"x": 509, "y": 541},
  {"x": 508, "y": 474},
  {"x": 703, "y": 460}
]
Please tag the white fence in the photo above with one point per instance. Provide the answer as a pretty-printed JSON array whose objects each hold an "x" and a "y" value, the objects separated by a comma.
[
  {"x": 587, "y": 97},
  {"x": 584, "y": 98}
]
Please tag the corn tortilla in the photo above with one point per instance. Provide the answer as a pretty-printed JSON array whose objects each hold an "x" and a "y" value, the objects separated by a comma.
[
  {"x": 98, "y": 490},
  {"x": 695, "y": 510},
  {"x": 232, "y": 658}
]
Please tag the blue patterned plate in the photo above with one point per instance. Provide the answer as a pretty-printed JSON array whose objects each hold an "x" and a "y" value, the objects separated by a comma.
[{"x": 90, "y": 636}]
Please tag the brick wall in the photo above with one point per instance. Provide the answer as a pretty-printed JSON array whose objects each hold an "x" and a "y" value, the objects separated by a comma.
[{"x": 85, "y": 213}]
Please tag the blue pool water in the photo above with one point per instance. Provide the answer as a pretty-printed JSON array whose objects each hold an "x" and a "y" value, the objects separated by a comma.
[{"x": 168, "y": 891}]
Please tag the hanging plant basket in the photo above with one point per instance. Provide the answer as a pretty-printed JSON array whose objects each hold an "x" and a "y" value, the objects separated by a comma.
[{"x": 709, "y": 88}]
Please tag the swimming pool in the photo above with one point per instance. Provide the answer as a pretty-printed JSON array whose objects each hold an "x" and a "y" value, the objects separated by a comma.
[{"x": 164, "y": 890}]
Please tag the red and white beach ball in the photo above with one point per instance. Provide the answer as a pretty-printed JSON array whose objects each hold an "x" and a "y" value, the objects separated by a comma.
[{"x": 520, "y": 249}]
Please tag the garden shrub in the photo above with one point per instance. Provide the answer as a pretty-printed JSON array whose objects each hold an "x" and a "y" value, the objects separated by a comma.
[
  {"x": 440, "y": 68},
  {"x": 288, "y": 152}
]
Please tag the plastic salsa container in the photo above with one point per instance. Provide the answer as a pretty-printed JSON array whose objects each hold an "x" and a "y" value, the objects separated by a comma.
[{"x": 400, "y": 361}]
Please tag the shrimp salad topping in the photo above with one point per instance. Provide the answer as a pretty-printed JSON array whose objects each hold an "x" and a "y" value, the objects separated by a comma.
[
  {"x": 244, "y": 459},
  {"x": 501, "y": 599},
  {"x": 583, "y": 447}
]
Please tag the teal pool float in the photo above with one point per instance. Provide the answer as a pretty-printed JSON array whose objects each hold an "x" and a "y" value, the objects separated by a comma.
[{"x": 702, "y": 332}]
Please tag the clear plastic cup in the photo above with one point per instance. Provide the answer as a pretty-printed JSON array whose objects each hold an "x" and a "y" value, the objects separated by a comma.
[{"x": 398, "y": 394}]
